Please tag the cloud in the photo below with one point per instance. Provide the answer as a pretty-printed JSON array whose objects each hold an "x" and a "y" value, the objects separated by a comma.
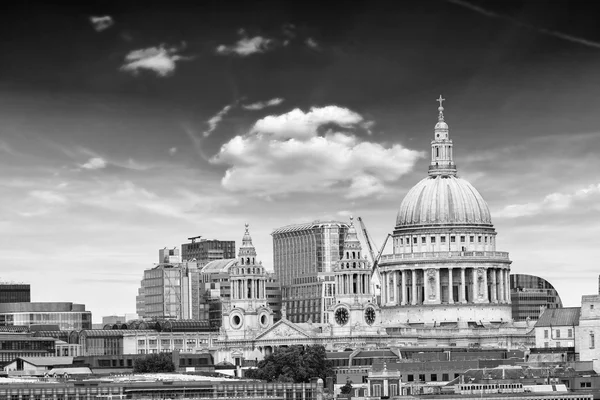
[
  {"x": 259, "y": 105},
  {"x": 173, "y": 151},
  {"x": 102, "y": 23},
  {"x": 48, "y": 197},
  {"x": 312, "y": 43},
  {"x": 553, "y": 203},
  {"x": 214, "y": 121},
  {"x": 247, "y": 46},
  {"x": 160, "y": 60},
  {"x": 287, "y": 154},
  {"x": 493, "y": 14},
  {"x": 94, "y": 163}
]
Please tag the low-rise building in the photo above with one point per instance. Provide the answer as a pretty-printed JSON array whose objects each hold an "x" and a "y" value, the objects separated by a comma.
[
  {"x": 556, "y": 327},
  {"x": 588, "y": 334},
  {"x": 68, "y": 316}
]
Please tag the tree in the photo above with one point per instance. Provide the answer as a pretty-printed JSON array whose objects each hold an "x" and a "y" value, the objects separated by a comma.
[
  {"x": 293, "y": 364},
  {"x": 347, "y": 388},
  {"x": 159, "y": 362}
]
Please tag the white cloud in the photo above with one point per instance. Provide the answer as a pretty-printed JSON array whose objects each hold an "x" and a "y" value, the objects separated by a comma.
[
  {"x": 214, "y": 121},
  {"x": 48, "y": 197},
  {"x": 247, "y": 46},
  {"x": 173, "y": 151},
  {"x": 286, "y": 154},
  {"x": 161, "y": 60},
  {"x": 102, "y": 23},
  {"x": 554, "y": 202},
  {"x": 259, "y": 105},
  {"x": 312, "y": 43},
  {"x": 94, "y": 163}
]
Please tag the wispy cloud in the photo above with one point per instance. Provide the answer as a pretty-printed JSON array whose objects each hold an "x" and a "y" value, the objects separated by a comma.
[
  {"x": 259, "y": 105},
  {"x": 214, "y": 121},
  {"x": 95, "y": 163},
  {"x": 47, "y": 196},
  {"x": 247, "y": 46},
  {"x": 312, "y": 43},
  {"x": 493, "y": 14},
  {"x": 102, "y": 23},
  {"x": 160, "y": 60},
  {"x": 554, "y": 202},
  {"x": 173, "y": 151}
]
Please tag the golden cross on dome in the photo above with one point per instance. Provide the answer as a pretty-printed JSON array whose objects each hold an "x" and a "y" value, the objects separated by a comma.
[{"x": 440, "y": 100}]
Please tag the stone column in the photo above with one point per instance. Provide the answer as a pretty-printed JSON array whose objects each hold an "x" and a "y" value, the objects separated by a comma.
[
  {"x": 501, "y": 295},
  {"x": 463, "y": 285},
  {"x": 383, "y": 294},
  {"x": 475, "y": 284},
  {"x": 494, "y": 286},
  {"x": 253, "y": 289},
  {"x": 403, "y": 302},
  {"x": 450, "y": 287},
  {"x": 425, "y": 286},
  {"x": 486, "y": 295},
  {"x": 414, "y": 287},
  {"x": 507, "y": 289},
  {"x": 438, "y": 276},
  {"x": 395, "y": 289}
]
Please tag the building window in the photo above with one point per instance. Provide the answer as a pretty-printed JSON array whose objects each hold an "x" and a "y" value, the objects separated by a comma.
[
  {"x": 422, "y": 377},
  {"x": 558, "y": 333},
  {"x": 423, "y": 240},
  {"x": 592, "y": 341},
  {"x": 410, "y": 378},
  {"x": 452, "y": 239},
  {"x": 415, "y": 240},
  {"x": 585, "y": 384},
  {"x": 433, "y": 239},
  {"x": 377, "y": 390},
  {"x": 485, "y": 239},
  {"x": 445, "y": 377},
  {"x": 401, "y": 241},
  {"x": 462, "y": 239},
  {"x": 591, "y": 306},
  {"x": 393, "y": 390},
  {"x": 433, "y": 377},
  {"x": 443, "y": 239},
  {"x": 545, "y": 333},
  {"x": 570, "y": 332},
  {"x": 479, "y": 239},
  {"x": 472, "y": 239}
]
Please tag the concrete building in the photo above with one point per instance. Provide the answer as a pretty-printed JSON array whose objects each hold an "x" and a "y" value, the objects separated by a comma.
[
  {"x": 15, "y": 292},
  {"x": 15, "y": 345},
  {"x": 445, "y": 266},
  {"x": 67, "y": 316},
  {"x": 204, "y": 251},
  {"x": 170, "y": 289},
  {"x": 303, "y": 259},
  {"x": 588, "y": 333},
  {"x": 530, "y": 295}
]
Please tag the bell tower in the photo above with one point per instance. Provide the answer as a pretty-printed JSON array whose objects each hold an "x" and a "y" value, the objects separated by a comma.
[
  {"x": 354, "y": 308},
  {"x": 247, "y": 313},
  {"x": 442, "y": 162}
]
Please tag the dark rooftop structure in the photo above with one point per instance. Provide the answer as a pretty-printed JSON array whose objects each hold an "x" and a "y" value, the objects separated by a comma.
[{"x": 568, "y": 316}]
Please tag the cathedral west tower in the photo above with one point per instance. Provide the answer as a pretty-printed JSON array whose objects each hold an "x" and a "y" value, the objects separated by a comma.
[{"x": 444, "y": 267}]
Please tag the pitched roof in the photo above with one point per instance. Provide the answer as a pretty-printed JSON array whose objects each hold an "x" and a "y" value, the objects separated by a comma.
[{"x": 568, "y": 316}]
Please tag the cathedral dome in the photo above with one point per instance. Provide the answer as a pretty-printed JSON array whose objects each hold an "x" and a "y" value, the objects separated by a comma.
[{"x": 443, "y": 200}]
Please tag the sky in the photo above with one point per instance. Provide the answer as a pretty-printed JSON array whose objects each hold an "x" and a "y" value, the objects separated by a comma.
[{"x": 128, "y": 127}]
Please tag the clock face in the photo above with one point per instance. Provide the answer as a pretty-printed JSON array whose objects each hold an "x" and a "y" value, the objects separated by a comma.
[
  {"x": 370, "y": 315},
  {"x": 341, "y": 316}
]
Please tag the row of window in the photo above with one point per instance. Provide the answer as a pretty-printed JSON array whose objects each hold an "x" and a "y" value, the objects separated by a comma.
[
  {"x": 557, "y": 333},
  {"x": 432, "y": 239}
]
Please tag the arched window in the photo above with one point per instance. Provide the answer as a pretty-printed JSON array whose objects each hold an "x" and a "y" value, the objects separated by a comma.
[
  {"x": 248, "y": 262},
  {"x": 437, "y": 151},
  {"x": 353, "y": 254},
  {"x": 242, "y": 261}
]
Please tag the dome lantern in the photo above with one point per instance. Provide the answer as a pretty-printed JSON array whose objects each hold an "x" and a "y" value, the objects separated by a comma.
[{"x": 442, "y": 162}]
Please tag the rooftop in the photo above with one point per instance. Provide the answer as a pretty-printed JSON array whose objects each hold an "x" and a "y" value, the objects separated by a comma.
[
  {"x": 568, "y": 316},
  {"x": 307, "y": 226}
]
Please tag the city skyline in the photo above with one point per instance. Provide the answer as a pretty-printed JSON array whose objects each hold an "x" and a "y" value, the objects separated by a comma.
[{"x": 126, "y": 129}]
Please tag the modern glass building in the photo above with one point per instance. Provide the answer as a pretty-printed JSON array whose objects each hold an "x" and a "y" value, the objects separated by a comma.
[
  {"x": 303, "y": 260},
  {"x": 204, "y": 251},
  {"x": 530, "y": 295},
  {"x": 67, "y": 316}
]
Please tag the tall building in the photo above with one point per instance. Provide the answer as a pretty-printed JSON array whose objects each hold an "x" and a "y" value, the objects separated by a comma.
[
  {"x": 204, "y": 251},
  {"x": 170, "y": 289},
  {"x": 444, "y": 267},
  {"x": 303, "y": 259},
  {"x": 530, "y": 295},
  {"x": 15, "y": 292}
]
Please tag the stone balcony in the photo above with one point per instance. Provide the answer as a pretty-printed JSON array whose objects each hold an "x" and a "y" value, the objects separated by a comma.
[{"x": 440, "y": 256}]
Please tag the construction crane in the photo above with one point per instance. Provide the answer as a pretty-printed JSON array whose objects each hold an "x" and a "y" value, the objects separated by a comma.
[{"x": 374, "y": 257}]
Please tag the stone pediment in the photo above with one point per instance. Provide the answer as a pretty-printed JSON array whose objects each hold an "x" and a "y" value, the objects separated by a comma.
[{"x": 283, "y": 329}]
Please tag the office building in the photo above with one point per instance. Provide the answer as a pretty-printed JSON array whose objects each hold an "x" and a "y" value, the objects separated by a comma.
[
  {"x": 303, "y": 259},
  {"x": 15, "y": 292},
  {"x": 67, "y": 316},
  {"x": 203, "y": 251},
  {"x": 530, "y": 295}
]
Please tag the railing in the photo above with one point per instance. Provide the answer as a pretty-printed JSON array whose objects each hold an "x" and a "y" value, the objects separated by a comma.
[{"x": 445, "y": 254}]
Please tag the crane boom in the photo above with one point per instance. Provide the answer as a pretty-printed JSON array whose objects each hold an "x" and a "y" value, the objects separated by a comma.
[
  {"x": 367, "y": 238},
  {"x": 376, "y": 262}
]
